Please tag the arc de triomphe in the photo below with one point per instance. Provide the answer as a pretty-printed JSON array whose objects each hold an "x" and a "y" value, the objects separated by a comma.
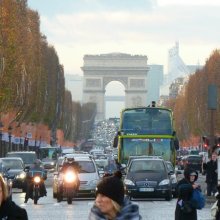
[{"x": 99, "y": 70}]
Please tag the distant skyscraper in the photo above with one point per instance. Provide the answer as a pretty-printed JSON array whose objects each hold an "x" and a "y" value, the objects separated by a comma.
[
  {"x": 154, "y": 81},
  {"x": 74, "y": 83},
  {"x": 176, "y": 68}
]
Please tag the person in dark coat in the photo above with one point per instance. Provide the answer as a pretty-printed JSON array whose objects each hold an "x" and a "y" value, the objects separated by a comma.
[
  {"x": 211, "y": 174},
  {"x": 185, "y": 209},
  {"x": 8, "y": 209},
  {"x": 111, "y": 203}
]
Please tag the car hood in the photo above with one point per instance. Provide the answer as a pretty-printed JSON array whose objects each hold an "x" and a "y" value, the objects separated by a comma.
[
  {"x": 13, "y": 172},
  {"x": 88, "y": 176},
  {"x": 49, "y": 161},
  {"x": 151, "y": 176}
]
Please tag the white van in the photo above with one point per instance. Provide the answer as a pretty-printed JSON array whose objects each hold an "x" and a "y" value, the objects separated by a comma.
[{"x": 88, "y": 176}]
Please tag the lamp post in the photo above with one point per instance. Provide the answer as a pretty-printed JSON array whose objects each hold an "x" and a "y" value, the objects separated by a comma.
[{"x": 9, "y": 137}]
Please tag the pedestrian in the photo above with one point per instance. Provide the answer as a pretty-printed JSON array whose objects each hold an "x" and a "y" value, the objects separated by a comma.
[
  {"x": 210, "y": 169},
  {"x": 185, "y": 209},
  {"x": 8, "y": 209},
  {"x": 111, "y": 203}
]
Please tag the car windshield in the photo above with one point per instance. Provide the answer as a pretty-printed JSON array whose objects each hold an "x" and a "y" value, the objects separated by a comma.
[
  {"x": 101, "y": 163},
  {"x": 27, "y": 158},
  {"x": 198, "y": 159},
  {"x": 146, "y": 165},
  {"x": 86, "y": 167},
  {"x": 170, "y": 167},
  {"x": 12, "y": 164}
]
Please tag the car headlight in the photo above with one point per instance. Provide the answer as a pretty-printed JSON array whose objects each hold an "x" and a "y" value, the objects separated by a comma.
[
  {"x": 128, "y": 182},
  {"x": 21, "y": 175},
  {"x": 52, "y": 163},
  {"x": 93, "y": 182},
  {"x": 164, "y": 182},
  {"x": 10, "y": 182},
  {"x": 173, "y": 180}
]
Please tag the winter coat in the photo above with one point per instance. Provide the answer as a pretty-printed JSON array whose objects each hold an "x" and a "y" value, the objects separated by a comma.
[
  {"x": 211, "y": 171},
  {"x": 10, "y": 211},
  {"x": 184, "y": 207},
  {"x": 129, "y": 211}
]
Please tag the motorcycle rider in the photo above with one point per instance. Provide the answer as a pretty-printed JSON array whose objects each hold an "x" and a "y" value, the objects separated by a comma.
[
  {"x": 34, "y": 170},
  {"x": 70, "y": 163}
]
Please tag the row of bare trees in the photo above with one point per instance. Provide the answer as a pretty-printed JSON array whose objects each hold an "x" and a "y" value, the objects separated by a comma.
[
  {"x": 191, "y": 112},
  {"x": 31, "y": 77}
]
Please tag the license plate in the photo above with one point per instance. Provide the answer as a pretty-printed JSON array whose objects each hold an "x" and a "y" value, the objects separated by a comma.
[{"x": 146, "y": 189}]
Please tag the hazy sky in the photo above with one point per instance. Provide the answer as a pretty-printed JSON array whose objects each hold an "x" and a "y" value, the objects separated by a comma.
[{"x": 143, "y": 27}]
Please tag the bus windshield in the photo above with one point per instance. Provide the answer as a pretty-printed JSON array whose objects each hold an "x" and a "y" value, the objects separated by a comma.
[
  {"x": 147, "y": 121},
  {"x": 147, "y": 146},
  {"x": 48, "y": 153}
]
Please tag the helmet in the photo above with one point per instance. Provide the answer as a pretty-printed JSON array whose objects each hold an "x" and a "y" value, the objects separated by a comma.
[
  {"x": 69, "y": 159},
  {"x": 37, "y": 162}
]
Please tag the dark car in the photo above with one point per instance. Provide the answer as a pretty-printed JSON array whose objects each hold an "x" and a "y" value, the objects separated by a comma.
[
  {"x": 15, "y": 170},
  {"x": 4, "y": 173},
  {"x": 173, "y": 177},
  {"x": 148, "y": 177},
  {"x": 194, "y": 162}
]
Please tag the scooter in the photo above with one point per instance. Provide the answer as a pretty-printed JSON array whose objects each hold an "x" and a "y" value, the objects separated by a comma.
[{"x": 68, "y": 187}]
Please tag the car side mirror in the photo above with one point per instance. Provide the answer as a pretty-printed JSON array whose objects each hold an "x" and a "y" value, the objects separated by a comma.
[
  {"x": 178, "y": 172},
  {"x": 123, "y": 166},
  {"x": 27, "y": 168},
  {"x": 115, "y": 142}
]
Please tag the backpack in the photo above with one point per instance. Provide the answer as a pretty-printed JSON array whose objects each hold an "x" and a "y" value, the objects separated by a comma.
[{"x": 198, "y": 199}]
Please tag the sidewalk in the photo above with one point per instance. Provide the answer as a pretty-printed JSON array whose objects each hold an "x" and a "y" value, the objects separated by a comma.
[{"x": 210, "y": 199}]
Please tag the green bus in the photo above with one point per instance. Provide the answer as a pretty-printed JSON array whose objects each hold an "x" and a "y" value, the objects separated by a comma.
[{"x": 146, "y": 131}]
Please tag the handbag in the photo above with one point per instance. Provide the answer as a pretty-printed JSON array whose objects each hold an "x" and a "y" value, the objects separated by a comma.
[{"x": 214, "y": 209}]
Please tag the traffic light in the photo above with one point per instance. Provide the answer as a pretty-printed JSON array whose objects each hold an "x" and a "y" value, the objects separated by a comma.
[{"x": 205, "y": 140}]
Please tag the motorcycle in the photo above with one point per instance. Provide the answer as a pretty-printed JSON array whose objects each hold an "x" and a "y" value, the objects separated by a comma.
[
  {"x": 68, "y": 186},
  {"x": 36, "y": 188}
]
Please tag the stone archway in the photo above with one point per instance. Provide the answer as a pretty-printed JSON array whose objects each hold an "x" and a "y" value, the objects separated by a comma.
[{"x": 99, "y": 70}]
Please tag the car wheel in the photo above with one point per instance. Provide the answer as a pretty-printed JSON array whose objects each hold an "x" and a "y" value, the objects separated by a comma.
[
  {"x": 24, "y": 189},
  {"x": 175, "y": 194},
  {"x": 54, "y": 195},
  {"x": 169, "y": 197},
  {"x": 59, "y": 198}
]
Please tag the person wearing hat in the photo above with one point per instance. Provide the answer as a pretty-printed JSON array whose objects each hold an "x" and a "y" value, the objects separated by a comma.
[
  {"x": 111, "y": 203},
  {"x": 185, "y": 209}
]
